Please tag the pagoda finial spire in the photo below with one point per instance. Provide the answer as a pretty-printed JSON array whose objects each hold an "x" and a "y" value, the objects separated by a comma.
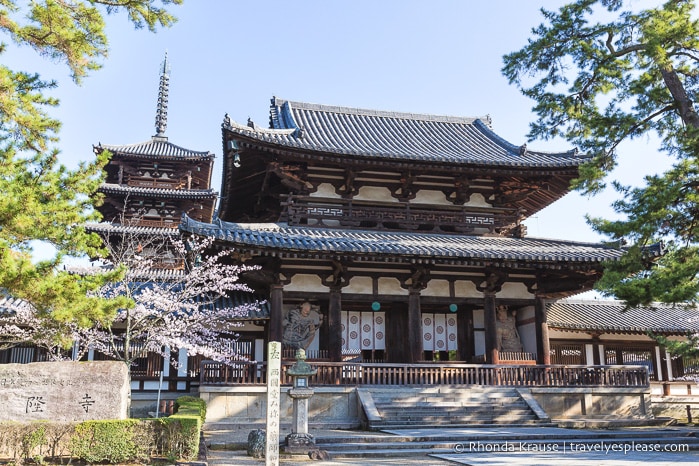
[{"x": 163, "y": 90}]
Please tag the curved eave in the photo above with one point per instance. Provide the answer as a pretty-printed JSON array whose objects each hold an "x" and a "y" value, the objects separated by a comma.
[
  {"x": 115, "y": 228},
  {"x": 284, "y": 141},
  {"x": 404, "y": 247},
  {"x": 107, "y": 188},
  {"x": 155, "y": 148}
]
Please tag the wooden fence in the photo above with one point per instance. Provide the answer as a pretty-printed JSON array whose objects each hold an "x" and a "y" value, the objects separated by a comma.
[{"x": 353, "y": 374}]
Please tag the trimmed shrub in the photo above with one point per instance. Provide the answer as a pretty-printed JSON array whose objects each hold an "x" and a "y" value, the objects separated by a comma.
[
  {"x": 191, "y": 402},
  {"x": 112, "y": 441}
]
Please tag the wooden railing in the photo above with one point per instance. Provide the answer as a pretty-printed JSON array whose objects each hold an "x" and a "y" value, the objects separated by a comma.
[
  {"x": 329, "y": 373},
  {"x": 145, "y": 182},
  {"x": 303, "y": 210}
]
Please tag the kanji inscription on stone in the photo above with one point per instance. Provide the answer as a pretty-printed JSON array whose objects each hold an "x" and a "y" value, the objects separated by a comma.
[{"x": 273, "y": 397}]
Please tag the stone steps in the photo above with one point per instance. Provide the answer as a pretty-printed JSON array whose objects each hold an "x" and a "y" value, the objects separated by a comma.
[
  {"x": 449, "y": 441},
  {"x": 437, "y": 406}
]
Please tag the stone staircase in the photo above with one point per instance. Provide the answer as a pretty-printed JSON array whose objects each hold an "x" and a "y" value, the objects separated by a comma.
[
  {"x": 407, "y": 407},
  {"x": 453, "y": 443}
]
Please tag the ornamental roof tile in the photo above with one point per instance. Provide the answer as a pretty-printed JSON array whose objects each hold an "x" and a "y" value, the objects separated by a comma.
[
  {"x": 155, "y": 147},
  {"x": 609, "y": 316},
  {"x": 423, "y": 245},
  {"x": 393, "y": 135},
  {"x": 112, "y": 188}
]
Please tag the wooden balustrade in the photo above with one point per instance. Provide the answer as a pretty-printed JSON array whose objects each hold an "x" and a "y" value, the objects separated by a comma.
[
  {"x": 302, "y": 210},
  {"x": 353, "y": 374},
  {"x": 163, "y": 183}
]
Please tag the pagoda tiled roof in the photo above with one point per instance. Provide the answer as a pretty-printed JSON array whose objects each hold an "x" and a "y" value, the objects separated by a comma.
[
  {"x": 395, "y": 136},
  {"x": 9, "y": 306},
  {"x": 156, "y": 147},
  {"x": 112, "y": 188},
  {"x": 611, "y": 317},
  {"x": 116, "y": 228},
  {"x": 420, "y": 246}
]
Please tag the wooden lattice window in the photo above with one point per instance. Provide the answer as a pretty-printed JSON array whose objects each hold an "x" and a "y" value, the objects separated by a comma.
[
  {"x": 569, "y": 354},
  {"x": 632, "y": 356}
]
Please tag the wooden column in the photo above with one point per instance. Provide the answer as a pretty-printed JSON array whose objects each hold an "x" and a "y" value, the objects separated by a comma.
[
  {"x": 276, "y": 300},
  {"x": 492, "y": 355},
  {"x": 664, "y": 357},
  {"x": 543, "y": 345},
  {"x": 335, "y": 324},
  {"x": 465, "y": 336},
  {"x": 414, "y": 327},
  {"x": 595, "y": 350}
]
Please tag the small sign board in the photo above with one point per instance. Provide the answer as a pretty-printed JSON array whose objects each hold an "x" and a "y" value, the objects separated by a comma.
[{"x": 274, "y": 363}]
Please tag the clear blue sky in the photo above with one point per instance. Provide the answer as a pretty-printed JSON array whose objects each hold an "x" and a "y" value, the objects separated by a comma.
[{"x": 436, "y": 57}]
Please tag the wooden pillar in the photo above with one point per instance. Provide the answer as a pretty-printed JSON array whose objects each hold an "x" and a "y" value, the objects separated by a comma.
[
  {"x": 276, "y": 301},
  {"x": 335, "y": 324},
  {"x": 492, "y": 355},
  {"x": 414, "y": 327},
  {"x": 543, "y": 345},
  {"x": 664, "y": 358},
  {"x": 465, "y": 334},
  {"x": 595, "y": 350}
]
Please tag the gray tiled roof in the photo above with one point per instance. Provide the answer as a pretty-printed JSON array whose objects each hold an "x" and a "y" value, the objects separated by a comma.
[
  {"x": 106, "y": 227},
  {"x": 9, "y": 306},
  {"x": 155, "y": 147},
  {"x": 422, "y": 245},
  {"x": 260, "y": 312},
  {"x": 392, "y": 135},
  {"x": 158, "y": 192},
  {"x": 609, "y": 316}
]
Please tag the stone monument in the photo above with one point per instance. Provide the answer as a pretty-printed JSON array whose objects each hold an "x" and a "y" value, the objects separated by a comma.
[{"x": 64, "y": 391}]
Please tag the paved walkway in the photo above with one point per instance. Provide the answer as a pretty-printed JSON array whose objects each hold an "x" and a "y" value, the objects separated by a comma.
[{"x": 569, "y": 454}]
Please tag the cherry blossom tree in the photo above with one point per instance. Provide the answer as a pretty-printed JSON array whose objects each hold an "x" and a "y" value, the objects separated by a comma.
[
  {"x": 161, "y": 309},
  {"x": 182, "y": 309}
]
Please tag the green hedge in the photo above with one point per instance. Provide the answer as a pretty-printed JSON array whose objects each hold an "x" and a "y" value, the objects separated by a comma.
[
  {"x": 112, "y": 441},
  {"x": 109, "y": 441}
]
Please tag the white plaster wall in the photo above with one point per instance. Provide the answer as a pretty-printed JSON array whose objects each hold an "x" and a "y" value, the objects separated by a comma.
[
  {"x": 612, "y": 337},
  {"x": 477, "y": 200},
  {"x": 391, "y": 286},
  {"x": 466, "y": 289},
  {"x": 590, "y": 354},
  {"x": 374, "y": 193},
  {"x": 527, "y": 335},
  {"x": 430, "y": 197},
  {"x": 326, "y": 190},
  {"x": 478, "y": 318},
  {"x": 479, "y": 342},
  {"x": 303, "y": 282},
  {"x": 359, "y": 285},
  {"x": 527, "y": 332},
  {"x": 565, "y": 335},
  {"x": 436, "y": 288},
  {"x": 514, "y": 290}
]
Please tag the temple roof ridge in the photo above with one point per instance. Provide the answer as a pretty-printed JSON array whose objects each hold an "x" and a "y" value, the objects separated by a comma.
[
  {"x": 284, "y": 103},
  {"x": 154, "y": 147},
  {"x": 397, "y": 136}
]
